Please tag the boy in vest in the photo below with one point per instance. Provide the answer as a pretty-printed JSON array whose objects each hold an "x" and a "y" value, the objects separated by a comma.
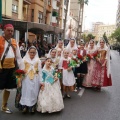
[{"x": 7, "y": 61}]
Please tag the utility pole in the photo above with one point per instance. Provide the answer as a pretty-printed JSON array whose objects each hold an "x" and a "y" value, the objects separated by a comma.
[{"x": 80, "y": 21}]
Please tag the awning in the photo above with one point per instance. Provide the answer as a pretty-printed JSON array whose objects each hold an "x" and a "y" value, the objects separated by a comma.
[{"x": 33, "y": 27}]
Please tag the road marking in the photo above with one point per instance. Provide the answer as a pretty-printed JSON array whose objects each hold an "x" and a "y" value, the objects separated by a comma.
[{"x": 81, "y": 92}]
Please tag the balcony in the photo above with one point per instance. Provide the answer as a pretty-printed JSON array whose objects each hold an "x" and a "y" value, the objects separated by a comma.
[
  {"x": 27, "y": 2},
  {"x": 49, "y": 8}
]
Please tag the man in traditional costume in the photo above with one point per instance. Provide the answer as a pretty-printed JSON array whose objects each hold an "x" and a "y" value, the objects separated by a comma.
[{"x": 9, "y": 53}]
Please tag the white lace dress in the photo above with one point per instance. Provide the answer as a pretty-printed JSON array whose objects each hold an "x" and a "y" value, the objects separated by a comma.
[{"x": 50, "y": 99}]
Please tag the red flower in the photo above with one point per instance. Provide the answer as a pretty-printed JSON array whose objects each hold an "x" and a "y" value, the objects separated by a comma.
[
  {"x": 19, "y": 72},
  {"x": 89, "y": 56},
  {"x": 80, "y": 56},
  {"x": 75, "y": 60},
  {"x": 95, "y": 54}
]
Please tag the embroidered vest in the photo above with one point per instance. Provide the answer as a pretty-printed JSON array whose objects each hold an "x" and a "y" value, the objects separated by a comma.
[
  {"x": 2, "y": 44},
  {"x": 84, "y": 52},
  {"x": 31, "y": 70}
]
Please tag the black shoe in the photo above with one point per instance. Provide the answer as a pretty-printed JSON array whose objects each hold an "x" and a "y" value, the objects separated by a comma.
[{"x": 24, "y": 110}]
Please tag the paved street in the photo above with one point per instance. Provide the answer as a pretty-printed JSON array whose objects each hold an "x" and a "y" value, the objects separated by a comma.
[{"x": 91, "y": 105}]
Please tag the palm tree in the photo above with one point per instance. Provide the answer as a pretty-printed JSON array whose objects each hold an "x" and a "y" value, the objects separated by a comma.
[
  {"x": 80, "y": 18},
  {"x": 66, "y": 11},
  {"x": 58, "y": 17}
]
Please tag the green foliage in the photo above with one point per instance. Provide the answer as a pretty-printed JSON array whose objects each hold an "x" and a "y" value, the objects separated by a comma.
[
  {"x": 88, "y": 37},
  {"x": 105, "y": 37},
  {"x": 116, "y": 34}
]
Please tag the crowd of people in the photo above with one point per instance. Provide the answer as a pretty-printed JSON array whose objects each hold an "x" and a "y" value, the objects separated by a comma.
[{"x": 45, "y": 85}]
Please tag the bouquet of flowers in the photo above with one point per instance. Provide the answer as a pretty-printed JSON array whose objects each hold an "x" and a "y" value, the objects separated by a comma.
[
  {"x": 96, "y": 55},
  {"x": 80, "y": 57},
  {"x": 73, "y": 62},
  {"x": 20, "y": 74},
  {"x": 57, "y": 73},
  {"x": 88, "y": 57}
]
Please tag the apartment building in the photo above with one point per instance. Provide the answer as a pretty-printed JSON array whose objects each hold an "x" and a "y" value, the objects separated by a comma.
[
  {"x": 118, "y": 15},
  {"x": 15, "y": 9},
  {"x": 95, "y": 27},
  {"x": 108, "y": 29}
]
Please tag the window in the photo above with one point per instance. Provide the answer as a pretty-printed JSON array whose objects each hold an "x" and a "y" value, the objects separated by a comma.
[
  {"x": 65, "y": 2},
  {"x": 32, "y": 15},
  {"x": 49, "y": 2},
  {"x": 40, "y": 16},
  {"x": 14, "y": 8}
]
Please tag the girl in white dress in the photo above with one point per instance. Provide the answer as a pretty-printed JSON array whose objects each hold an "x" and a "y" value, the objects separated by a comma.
[
  {"x": 53, "y": 55},
  {"x": 68, "y": 76},
  {"x": 31, "y": 82},
  {"x": 50, "y": 98},
  {"x": 71, "y": 45}
]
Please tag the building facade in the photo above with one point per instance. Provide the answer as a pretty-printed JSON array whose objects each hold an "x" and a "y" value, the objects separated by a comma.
[
  {"x": 118, "y": 15},
  {"x": 95, "y": 27},
  {"x": 108, "y": 29},
  {"x": 15, "y": 9}
]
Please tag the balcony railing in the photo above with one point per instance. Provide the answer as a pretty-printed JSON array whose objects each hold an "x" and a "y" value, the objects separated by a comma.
[{"x": 27, "y": 2}]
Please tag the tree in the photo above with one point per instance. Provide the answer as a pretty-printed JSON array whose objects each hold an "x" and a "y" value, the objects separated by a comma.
[
  {"x": 58, "y": 17},
  {"x": 66, "y": 11},
  {"x": 105, "y": 37},
  {"x": 116, "y": 34},
  {"x": 80, "y": 17},
  {"x": 88, "y": 37}
]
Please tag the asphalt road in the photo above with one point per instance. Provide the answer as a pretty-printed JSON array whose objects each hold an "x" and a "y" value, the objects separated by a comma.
[{"x": 90, "y": 105}]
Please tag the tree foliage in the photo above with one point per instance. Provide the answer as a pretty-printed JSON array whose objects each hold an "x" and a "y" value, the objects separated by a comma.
[
  {"x": 116, "y": 34},
  {"x": 88, "y": 37},
  {"x": 105, "y": 37}
]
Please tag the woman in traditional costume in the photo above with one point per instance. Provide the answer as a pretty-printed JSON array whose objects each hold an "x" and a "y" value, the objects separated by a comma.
[
  {"x": 60, "y": 45},
  {"x": 32, "y": 81},
  {"x": 91, "y": 62},
  {"x": 102, "y": 76},
  {"x": 50, "y": 98},
  {"x": 71, "y": 45},
  {"x": 68, "y": 78}
]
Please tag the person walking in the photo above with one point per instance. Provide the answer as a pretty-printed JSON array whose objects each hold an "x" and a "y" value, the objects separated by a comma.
[{"x": 9, "y": 52}]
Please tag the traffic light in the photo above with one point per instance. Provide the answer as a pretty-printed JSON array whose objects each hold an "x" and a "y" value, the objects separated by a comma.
[{"x": 0, "y": 11}]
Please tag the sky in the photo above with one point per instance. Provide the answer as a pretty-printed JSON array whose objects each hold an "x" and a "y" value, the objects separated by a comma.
[{"x": 99, "y": 11}]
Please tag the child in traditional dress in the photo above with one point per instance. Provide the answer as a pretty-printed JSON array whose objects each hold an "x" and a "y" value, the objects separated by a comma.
[
  {"x": 74, "y": 63},
  {"x": 50, "y": 98},
  {"x": 53, "y": 55},
  {"x": 68, "y": 76},
  {"x": 82, "y": 70},
  {"x": 59, "y": 51},
  {"x": 31, "y": 82}
]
